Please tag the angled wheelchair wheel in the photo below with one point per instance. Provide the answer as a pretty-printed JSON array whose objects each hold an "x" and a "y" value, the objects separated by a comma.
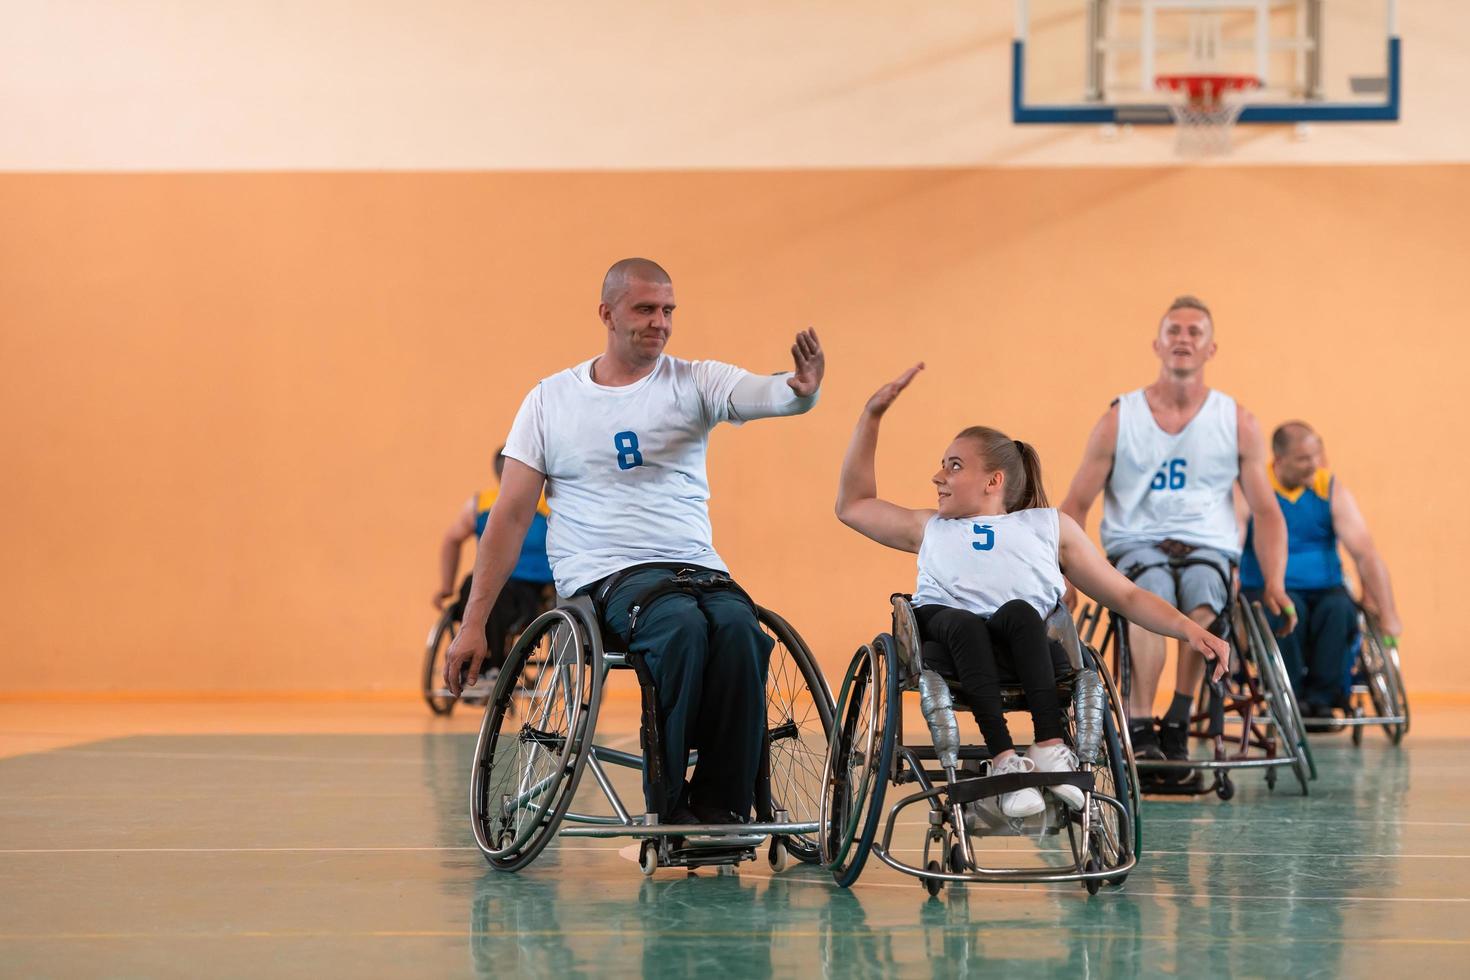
[
  {"x": 1265, "y": 658},
  {"x": 1278, "y": 667},
  {"x": 798, "y": 728},
  {"x": 859, "y": 758},
  {"x": 1395, "y": 675},
  {"x": 436, "y": 694},
  {"x": 1384, "y": 683},
  {"x": 1115, "y": 774},
  {"x": 528, "y": 760}
]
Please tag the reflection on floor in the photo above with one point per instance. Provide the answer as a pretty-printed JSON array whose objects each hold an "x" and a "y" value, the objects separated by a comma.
[{"x": 306, "y": 840}]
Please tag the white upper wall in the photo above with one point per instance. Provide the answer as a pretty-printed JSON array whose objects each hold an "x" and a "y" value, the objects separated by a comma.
[{"x": 653, "y": 84}]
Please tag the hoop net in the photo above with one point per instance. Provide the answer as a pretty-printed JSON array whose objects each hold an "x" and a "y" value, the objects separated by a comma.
[{"x": 1205, "y": 109}]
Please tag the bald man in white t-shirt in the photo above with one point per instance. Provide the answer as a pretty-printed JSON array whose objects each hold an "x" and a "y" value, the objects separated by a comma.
[{"x": 618, "y": 442}]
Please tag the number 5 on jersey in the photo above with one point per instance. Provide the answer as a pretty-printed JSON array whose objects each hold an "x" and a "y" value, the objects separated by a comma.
[
  {"x": 1170, "y": 475},
  {"x": 628, "y": 454},
  {"x": 987, "y": 537}
]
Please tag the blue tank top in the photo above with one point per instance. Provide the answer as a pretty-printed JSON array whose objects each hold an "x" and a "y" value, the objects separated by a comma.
[
  {"x": 532, "y": 565},
  {"x": 1312, "y": 561}
]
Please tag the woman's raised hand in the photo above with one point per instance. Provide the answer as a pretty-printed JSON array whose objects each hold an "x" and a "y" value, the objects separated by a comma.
[{"x": 886, "y": 395}]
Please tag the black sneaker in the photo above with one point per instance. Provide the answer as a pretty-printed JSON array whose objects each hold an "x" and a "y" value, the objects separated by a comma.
[
  {"x": 1322, "y": 716},
  {"x": 1145, "y": 739},
  {"x": 1174, "y": 740},
  {"x": 715, "y": 814}
]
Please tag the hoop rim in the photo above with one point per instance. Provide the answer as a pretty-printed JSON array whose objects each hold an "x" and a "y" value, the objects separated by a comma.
[{"x": 1206, "y": 88}]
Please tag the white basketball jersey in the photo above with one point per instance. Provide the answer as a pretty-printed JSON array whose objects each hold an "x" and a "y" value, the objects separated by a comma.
[
  {"x": 625, "y": 473},
  {"x": 1173, "y": 486},
  {"x": 981, "y": 563}
]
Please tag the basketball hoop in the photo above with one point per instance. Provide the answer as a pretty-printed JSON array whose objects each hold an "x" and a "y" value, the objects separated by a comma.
[{"x": 1205, "y": 108}]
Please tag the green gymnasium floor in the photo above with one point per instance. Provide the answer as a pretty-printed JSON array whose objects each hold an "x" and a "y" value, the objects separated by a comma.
[{"x": 315, "y": 855}]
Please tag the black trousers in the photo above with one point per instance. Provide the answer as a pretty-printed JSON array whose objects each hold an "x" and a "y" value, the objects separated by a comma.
[
  {"x": 708, "y": 656},
  {"x": 975, "y": 649}
]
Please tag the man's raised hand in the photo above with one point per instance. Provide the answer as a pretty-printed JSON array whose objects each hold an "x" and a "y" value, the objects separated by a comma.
[{"x": 810, "y": 364}]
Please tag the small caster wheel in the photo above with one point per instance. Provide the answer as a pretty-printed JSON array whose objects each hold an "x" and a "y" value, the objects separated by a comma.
[
  {"x": 1224, "y": 788},
  {"x": 777, "y": 855},
  {"x": 1357, "y": 736},
  {"x": 648, "y": 858},
  {"x": 1093, "y": 884},
  {"x": 957, "y": 858},
  {"x": 933, "y": 885},
  {"x": 1271, "y": 779},
  {"x": 728, "y": 870}
]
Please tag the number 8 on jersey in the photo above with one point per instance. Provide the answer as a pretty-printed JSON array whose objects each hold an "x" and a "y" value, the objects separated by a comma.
[{"x": 628, "y": 454}]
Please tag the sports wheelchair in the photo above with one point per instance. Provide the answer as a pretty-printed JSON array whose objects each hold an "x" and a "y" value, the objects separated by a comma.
[
  {"x": 533, "y": 749},
  {"x": 868, "y": 751},
  {"x": 1250, "y": 718},
  {"x": 436, "y": 695},
  {"x": 1376, "y": 695}
]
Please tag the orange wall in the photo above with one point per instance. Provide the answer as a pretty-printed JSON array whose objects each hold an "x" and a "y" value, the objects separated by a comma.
[{"x": 238, "y": 410}]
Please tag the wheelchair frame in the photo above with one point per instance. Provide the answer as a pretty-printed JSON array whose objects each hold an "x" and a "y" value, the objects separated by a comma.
[
  {"x": 1378, "y": 683},
  {"x": 576, "y": 664},
  {"x": 878, "y": 753},
  {"x": 1256, "y": 695}
]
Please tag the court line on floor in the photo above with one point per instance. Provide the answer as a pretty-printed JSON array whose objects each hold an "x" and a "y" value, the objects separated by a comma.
[
  {"x": 614, "y": 848},
  {"x": 217, "y": 757},
  {"x": 1130, "y": 893},
  {"x": 235, "y": 757},
  {"x": 241, "y": 850},
  {"x": 1295, "y": 821},
  {"x": 773, "y": 933}
]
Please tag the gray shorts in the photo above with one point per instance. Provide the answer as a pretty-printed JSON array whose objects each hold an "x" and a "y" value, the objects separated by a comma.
[{"x": 1196, "y": 585}]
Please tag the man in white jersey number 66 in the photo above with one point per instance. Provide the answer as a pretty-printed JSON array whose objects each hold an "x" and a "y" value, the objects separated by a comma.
[
  {"x": 619, "y": 444},
  {"x": 1168, "y": 457}
]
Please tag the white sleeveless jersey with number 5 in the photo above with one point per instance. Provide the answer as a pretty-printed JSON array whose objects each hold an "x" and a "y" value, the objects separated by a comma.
[
  {"x": 981, "y": 563},
  {"x": 1175, "y": 487}
]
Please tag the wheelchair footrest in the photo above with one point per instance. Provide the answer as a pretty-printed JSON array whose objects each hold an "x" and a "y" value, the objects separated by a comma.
[
  {"x": 706, "y": 842},
  {"x": 979, "y": 787}
]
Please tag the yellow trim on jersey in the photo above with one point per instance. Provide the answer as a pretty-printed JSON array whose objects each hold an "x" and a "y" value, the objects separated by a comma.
[
  {"x": 1321, "y": 485},
  {"x": 486, "y": 500}
]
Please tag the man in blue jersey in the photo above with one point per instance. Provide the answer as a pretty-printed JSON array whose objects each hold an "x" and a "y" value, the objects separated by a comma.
[
  {"x": 524, "y": 594},
  {"x": 1319, "y": 513}
]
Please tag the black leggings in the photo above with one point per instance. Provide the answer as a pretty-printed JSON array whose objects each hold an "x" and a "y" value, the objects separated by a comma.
[{"x": 972, "y": 648}]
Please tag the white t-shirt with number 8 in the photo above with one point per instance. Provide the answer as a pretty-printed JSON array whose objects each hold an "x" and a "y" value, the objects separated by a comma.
[{"x": 625, "y": 467}]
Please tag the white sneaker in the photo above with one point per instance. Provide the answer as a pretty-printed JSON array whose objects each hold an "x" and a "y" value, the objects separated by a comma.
[
  {"x": 1057, "y": 758},
  {"x": 1023, "y": 802}
]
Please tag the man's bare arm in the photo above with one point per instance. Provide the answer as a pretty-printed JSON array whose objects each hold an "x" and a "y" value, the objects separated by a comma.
[
  {"x": 1352, "y": 531},
  {"x": 1090, "y": 478},
  {"x": 462, "y": 529},
  {"x": 1092, "y": 474}
]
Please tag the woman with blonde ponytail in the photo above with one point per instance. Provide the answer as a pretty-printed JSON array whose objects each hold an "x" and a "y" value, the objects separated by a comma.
[{"x": 991, "y": 558}]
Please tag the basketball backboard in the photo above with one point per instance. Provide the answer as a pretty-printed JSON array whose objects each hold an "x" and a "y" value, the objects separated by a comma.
[{"x": 1098, "y": 61}]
